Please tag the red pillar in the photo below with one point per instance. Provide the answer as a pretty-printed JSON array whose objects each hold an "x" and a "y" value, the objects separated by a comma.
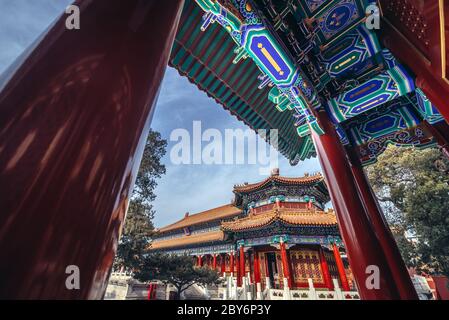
[
  {"x": 223, "y": 263},
  {"x": 150, "y": 291},
  {"x": 231, "y": 264},
  {"x": 341, "y": 269},
  {"x": 325, "y": 270},
  {"x": 73, "y": 125},
  {"x": 256, "y": 267},
  {"x": 401, "y": 277},
  {"x": 285, "y": 264},
  {"x": 214, "y": 262},
  {"x": 362, "y": 244},
  {"x": 200, "y": 261},
  {"x": 154, "y": 291},
  {"x": 241, "y": 269}
]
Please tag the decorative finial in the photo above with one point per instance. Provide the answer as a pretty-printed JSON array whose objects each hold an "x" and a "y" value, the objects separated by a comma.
[{"x": 275, "y": 172}]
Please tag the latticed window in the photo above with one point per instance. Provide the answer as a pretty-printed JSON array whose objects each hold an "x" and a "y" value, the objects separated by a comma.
[{"x": 306, "y": 265}]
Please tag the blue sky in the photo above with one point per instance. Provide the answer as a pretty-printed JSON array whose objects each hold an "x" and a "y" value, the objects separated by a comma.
[{"x": 191, "y": 188}]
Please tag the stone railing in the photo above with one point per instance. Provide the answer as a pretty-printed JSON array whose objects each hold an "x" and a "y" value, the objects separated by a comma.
[
  {"x": 312, "y": 294},
  {"x": 249, "y": 291}
]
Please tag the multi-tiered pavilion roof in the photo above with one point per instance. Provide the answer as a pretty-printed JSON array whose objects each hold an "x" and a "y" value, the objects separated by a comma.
[{"x": 215, "y": 226}]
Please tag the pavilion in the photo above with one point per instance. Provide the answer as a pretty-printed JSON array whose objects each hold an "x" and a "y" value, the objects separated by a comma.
[{"x": 276, "y": 231}]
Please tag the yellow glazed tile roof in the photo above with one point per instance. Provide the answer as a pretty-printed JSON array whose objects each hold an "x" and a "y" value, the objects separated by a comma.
[
  {"x": 187, "y": 240},
  {"x": 208, "y": 215},
  {"x": 290, "y": 216},
  {"x": 301, "y": 180}
]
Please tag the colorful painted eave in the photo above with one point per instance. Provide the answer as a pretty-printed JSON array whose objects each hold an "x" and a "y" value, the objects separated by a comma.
[
  {"x": 206, "y": 59},
  {"x": 253, "y": 60},
  {"x": 293, "y": 217}
]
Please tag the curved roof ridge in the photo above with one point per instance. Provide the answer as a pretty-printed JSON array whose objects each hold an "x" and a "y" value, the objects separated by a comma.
[
  {"x": 306, "y": 179},
  {"x": 295, "y": 217}
]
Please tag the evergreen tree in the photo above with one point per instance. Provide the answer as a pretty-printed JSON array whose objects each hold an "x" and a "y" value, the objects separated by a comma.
[
  {"x": 180, "y": 271},
  {"x": 138, "y": 227},
  {"x": 413, "y": 188}
]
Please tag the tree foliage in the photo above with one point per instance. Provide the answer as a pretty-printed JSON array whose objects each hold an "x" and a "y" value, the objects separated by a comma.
[
  {"x": 132, "y": 252},
  {"x": 138, "y": 227},
  {"x": 180, "y": 271},
  {"x": 413, "y": 188}
]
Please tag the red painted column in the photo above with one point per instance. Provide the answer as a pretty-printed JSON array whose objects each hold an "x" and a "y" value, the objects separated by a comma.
[
  {"x": 154, "y": 291},
  {"x": 341, "y": 269},
  {"x": 237, "y": 269},
  {"x": 256, "y": 267},
  {"x": 241, "y": 273},
  {"x": 223, "y": 263},
  {"x": 73, "y": 125},
  {"x": 150, "y": 292},
  {"x": 285, "y": 264},
  {"x": 231, "y": 262},
  {"x": 401, "y": 277},
  {"x": 362, "y": 245},
  {"x": 200, "y": 261},
  {"x": 325, "y": 270},
  {"x": 214, "y": 262}
]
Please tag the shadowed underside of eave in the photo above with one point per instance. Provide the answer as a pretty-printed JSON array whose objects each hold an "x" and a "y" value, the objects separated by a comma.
[{"x": 205, "y": 58}]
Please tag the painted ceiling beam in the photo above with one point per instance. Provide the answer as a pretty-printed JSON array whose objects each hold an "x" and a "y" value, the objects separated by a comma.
[{"x": 373, "y": 93}]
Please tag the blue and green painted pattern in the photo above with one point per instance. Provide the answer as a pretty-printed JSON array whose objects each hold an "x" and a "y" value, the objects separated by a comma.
[
  {"x": 350, "y": 51},
  {"x": 379, "y": 125},
  {"x": 340, "y": 16},
  {"x": 307, "y": 147},
  {"x": 342, "y": 134},
  {"x": 256, "y": 42},
  {"x": 427, "y": 110},
  {"x": 373, "y": 93},
  {"x": 351, "y": 60},
  {"x": 396, "y": 124},
  {"x": 292, "y": 239},
  {"x": 312, "y": 6},
  {"x": 389, "y": 59},
  {"x": 205, "y": 58}
]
